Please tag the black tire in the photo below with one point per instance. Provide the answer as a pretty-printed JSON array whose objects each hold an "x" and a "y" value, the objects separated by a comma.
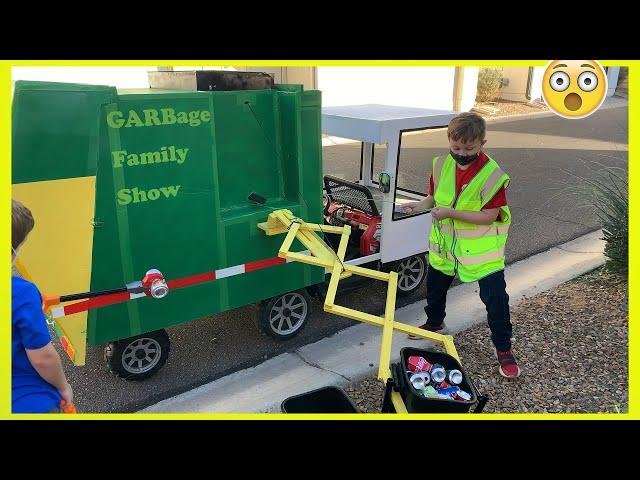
[
  {"x": 124, "y": 356},
  {"x": 278, "y": 321},
  {"x": 412, "y": 272}
]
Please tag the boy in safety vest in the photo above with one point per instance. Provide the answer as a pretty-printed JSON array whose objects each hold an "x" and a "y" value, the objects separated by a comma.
[{"x": 471, "y": 220}]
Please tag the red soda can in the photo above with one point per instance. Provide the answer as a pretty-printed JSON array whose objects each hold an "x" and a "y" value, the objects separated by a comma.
[
  {"x": 416, "y": 363},
  {"x": 443, "y": 385}
]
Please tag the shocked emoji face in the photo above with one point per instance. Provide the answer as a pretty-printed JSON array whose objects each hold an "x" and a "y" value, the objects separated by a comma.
[{"x": 574, "y": 88}]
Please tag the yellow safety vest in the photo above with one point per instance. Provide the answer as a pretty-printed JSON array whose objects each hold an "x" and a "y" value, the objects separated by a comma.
[{"x": 472, "y": 251}]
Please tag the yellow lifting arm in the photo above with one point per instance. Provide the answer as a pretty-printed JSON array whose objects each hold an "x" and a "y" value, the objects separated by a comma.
[{"x": 321, "y": 255}]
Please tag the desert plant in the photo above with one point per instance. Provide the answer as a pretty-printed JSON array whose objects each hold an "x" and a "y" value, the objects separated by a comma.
[
  {"x": 489, "y": 82},
  {"x": 623, "y": 81},
  {"x": 608, "y": 194}
]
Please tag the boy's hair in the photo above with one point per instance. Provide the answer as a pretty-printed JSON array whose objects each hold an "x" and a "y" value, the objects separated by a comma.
[
  {"x": 467, "y": 127},
  {"x": 22, "y": 223}
]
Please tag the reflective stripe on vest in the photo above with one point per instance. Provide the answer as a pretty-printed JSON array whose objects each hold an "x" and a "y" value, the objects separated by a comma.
[
  {"x": 478, "y": 259},
  {"x": 492, "y": 185},
  {"x": 437, "y": 169},
  {"x": 481, "y": 231}
]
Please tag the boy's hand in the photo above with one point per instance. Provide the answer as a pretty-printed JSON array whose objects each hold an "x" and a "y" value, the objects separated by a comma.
[
  {"x": 410, "y": 207},
  {"x": 440, "y": 213},
  {"x": 67, "y": 394}
]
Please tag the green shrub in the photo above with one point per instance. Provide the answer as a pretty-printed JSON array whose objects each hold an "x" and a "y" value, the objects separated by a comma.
[
  {"x": 608, "y": 194},
  {"x": 489, "y": 82}
]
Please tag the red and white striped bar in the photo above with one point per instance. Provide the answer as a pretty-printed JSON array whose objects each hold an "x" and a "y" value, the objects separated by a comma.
[{"x": 183, "y": 282}]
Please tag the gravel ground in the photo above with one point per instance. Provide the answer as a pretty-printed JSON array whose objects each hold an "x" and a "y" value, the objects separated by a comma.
[
  {"x": 571, "y": 343},
  {"x": 508, "y": 107}
]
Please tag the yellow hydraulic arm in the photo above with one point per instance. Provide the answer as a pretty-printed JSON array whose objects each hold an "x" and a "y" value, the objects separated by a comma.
[{"x": 321, "y": 255}]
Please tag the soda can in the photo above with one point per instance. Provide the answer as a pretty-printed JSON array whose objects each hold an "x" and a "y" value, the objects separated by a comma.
[
  {"x": 455, "y": 377},
  {"x": 420, "y": 380},
  {"x": 438, "y": 396},
  {"x": 416, "y": 364},
  {"x": 462, "y": 395},
  {"x": 443, "y": 385},
  {"x": 438, "y": 373},
  {"x": 429, "y": 391},
  {"x": 449, "y": 392}
]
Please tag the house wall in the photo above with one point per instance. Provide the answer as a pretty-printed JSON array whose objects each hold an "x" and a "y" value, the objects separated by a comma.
[
  {"x": 120, "y": 77},
  {"x": 516, "y": 89},
  {"x": 427, "y": 87}
]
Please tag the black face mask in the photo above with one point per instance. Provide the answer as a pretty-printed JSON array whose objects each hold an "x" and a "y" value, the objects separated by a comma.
[{"x": 463, "y": 159}]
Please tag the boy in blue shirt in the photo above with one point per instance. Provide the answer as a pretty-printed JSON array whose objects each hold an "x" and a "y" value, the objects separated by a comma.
[{"x": 38, "y": 383}]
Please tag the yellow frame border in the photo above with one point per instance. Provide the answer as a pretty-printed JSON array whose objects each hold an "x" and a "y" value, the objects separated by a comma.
[{"x": 5, "y": 289}]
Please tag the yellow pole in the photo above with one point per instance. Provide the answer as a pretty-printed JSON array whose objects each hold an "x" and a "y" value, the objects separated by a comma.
[
  {"x": 317, "y": 262},
  {"x": 333, "y": 286},
  {"x": 344, "y": 242},
  {"x": 387, "y": 329},
  {"x": 291, "y": 236},
  {"x": 450, "y": 347},
  {"x": 284, "y": 217},
  {"x": 398, "y": 404},
  {"x": 324, "y": 228},
  {"x": 365, "y": 272},
  {"x": 315, "y": 245}
]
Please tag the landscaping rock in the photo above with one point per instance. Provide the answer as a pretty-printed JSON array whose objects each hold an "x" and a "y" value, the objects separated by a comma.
[{"x": 572, "y": 347}]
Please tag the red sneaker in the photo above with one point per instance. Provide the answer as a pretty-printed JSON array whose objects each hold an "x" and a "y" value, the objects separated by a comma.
[
  {"x": 440, "y": 329},
  {"x": 508, "y": 367}
]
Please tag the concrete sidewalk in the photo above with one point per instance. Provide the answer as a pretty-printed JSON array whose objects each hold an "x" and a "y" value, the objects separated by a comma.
[{"x": 353, "y": 353}]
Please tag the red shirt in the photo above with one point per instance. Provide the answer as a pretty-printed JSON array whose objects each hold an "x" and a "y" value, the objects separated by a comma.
[{"x": 465, "y": 176}]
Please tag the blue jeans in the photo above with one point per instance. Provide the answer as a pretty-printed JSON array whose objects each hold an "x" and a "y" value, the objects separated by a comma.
[{"x": 493, "y": 293}]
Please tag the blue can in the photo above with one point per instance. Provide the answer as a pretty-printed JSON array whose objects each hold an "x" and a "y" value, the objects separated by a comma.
[{"x": 450, "y": 391}]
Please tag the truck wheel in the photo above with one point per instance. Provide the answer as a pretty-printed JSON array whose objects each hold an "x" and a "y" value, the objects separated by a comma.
[
  {"x": 411, "y": 273},
  {"x": 284, "y": 316},
  {"x": 139, "y": 357}
]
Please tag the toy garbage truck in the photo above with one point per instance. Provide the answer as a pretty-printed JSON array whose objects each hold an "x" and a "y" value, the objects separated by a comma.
[
  {"x": 145, "y": 210},
  {"x": 147, "y": 204}
]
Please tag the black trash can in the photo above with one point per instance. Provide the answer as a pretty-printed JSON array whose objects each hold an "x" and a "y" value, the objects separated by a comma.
[
  {"x": 415, "y": 402},
  {"x": 322, "y": 400}
]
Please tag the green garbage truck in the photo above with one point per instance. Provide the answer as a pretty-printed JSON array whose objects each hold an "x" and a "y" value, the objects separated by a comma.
[
  {"x": 146, "y": 212},
  {"x": 148, "y": 203}
]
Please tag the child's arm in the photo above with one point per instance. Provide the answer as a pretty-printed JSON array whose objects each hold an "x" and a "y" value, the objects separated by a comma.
[
  {"x": 485, "y": 217},
  {"x": 424, "y": 204},
  {"x": 47, "y": 363},
  {"x": 29, "y": 320}
]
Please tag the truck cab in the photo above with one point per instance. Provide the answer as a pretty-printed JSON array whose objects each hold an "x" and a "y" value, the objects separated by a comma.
[{"x": 383, "y": 234}]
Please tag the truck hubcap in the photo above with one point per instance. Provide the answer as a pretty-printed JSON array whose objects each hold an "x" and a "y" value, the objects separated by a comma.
[
  {"x": 141, "y": 355},
  {"x": 410, "y": 273},
  {"x": 288, "y": 313}
]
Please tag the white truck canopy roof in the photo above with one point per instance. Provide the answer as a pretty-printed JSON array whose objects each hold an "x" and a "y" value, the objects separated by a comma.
[{"x": 380, "y": 123}]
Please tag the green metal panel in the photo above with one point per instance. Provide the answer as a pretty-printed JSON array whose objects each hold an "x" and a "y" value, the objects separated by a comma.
[
  {"x": 193, "y": 216},
  {"x": 56, "y": 121}
]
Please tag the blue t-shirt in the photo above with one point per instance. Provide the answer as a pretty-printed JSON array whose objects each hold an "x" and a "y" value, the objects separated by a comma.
[{"x": 30, "y": 393}]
